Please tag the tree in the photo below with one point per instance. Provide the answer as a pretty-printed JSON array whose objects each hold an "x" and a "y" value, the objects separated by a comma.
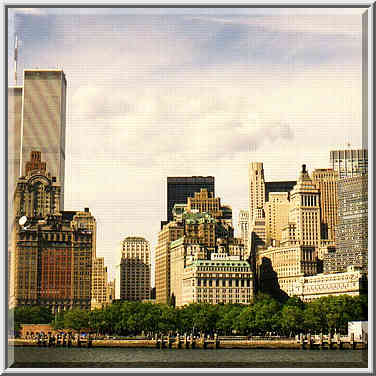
[
  {"x": 228, "y": 317},
  {"x": 29, "y": 315},
  {"x": 266, "y": 311},
  {"x": 76, "y": 319},
  {"x": 168, "y": 319},
  {"x": 58, "y": 321},
  {"x": 291, "y": 319}
]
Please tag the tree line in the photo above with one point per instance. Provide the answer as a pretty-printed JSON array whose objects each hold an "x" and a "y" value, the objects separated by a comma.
[{"x": 264, "y": 315}]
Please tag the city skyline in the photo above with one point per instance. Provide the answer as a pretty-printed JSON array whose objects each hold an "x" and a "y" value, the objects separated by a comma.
[{"x": 147, "y": 108}]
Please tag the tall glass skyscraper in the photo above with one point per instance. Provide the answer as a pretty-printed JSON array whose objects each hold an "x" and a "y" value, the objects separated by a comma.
[
  {"x": 182, "y": 187},
  {"x": 349, "y": 163},
  {"x": 43, "y": 121}
]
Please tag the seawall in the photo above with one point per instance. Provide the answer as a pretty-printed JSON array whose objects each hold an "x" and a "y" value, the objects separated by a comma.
[{"x": 222, "y": 344}]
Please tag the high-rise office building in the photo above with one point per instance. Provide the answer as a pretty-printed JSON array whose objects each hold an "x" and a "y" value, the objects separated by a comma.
[
  {"x": 276, "y": 216},
  {"x": 349, "y": 163},
  {"x": 243, "y": 227},
  {"x": 278, "y": 186},
  {"x": 256, "y": 190},
  {"x": 201, "y": 227},
  {"x": 102, "y": 290},
  {"x": 352, "y": 228},
  {"x": 305, "y": 210},
  {"x": 52, "y": 261},
  {"x": 43, "y": 119},
  {"x": 110, "y": 291},
  {"x": 170, "y": 232},
  {"x": 326, "y": 181},
  {"x": 135, "y": 269},
  {"x": 14, "y": 145},
  {"x": 204, "y": 201},
  {"x": 14, "y": 139},
  {"x": 98, "y": 284},
  {"x": 182, "y": 187},
  {"x": 280, "y": 266},
  {"x": 85, "y": 221}
]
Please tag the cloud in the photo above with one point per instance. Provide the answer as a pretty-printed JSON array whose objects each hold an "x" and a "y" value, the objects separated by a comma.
[
  {"x": 29, "y": 11},
  {"x": 305, "y": 23},
  {"x": 151, "y": 97}
]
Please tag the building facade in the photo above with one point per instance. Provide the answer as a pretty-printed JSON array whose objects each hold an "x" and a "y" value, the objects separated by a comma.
[
  {"x": 352, "y": 228},
  {"x": 278, "y": 267},
  {"x": 100, "y": 287},
  {"x": 180, "y": 249},
  {"x": 214, "y": 281},
  {"x": 52, "y": 261},
  {"x": 182, "y": 187},
  {"x": 326, "y": 181},
  {"x": 14, "y": 140},
  {"x": 349, "y": 163},
  {"x": 44, "y": 120},
  {"x": 305, "y": 210},
  {"x": 170, "y": 232},
  {"x": 85, "y": 222},
  {"x": 351, "y": 282},
  {"x": 256, "y": 189},
  {"x": 276, "y": 216},
  {"x": 200, "y": 226},
  {"x": 243, "y": 228},
  {"x": 278, "y": 186},
  {"x": 135, "y": 269}
]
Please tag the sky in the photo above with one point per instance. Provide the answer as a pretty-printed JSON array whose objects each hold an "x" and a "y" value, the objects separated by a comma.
[{"x": 181, "y": 92}]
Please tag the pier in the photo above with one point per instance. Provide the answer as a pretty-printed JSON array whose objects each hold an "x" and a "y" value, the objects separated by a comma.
[
  {"x": 330, "y": 342},
  {"x": 301, "y": 341}
]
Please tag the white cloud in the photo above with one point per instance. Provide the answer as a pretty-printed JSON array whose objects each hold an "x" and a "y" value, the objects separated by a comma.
[
  {"x": 30, "y": 11},
  {"x": 140, "y": 109},
  {"x": 323, "y": 23}
]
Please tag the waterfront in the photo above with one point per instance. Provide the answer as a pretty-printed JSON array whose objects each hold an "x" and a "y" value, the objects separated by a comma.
[{"x": 37, "y": 357}]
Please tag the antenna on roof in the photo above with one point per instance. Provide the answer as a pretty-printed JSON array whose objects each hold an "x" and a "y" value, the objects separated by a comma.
[{"x": 15, "y": 59}]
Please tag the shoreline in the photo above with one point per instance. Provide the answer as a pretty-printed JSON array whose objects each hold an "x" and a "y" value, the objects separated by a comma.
[{"x": 220, "y": 344}]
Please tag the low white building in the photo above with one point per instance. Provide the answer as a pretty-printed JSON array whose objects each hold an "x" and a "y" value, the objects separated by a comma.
[
  {"x": 217, "y": 281},
  {"x": 358, "y": 328},
  {"x": 352, "y": 283}
]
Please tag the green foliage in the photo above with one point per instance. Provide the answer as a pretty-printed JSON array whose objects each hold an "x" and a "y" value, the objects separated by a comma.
[
  {"x": 263, "y": 315},
  {"x": 76, "y": 319},
  {"x": 28, "y": 315}
]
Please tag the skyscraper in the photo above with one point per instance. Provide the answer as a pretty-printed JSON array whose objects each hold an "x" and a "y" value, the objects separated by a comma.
[
  {"x": 305, "y": 210},
  {"x": 84, "y": 221},
  {"x": 52, "y": 255},
  {"x": 278, "y": 186},
  {"x": 276, "y": 215},
  {"x": 326, "y": 181},
  {"x": 256, "y": 190},
  {"x": 259, "y": 194},
  {"x": 243, "y": 226},
  {"x": 349, "y": 163},
  {"x": 170, "y": 232},
  {"x": 352, "y": 228},
  {"x": 14, "y": 138},
  {"x": 180, "y": 188},
  {"x": 100, "y": 287},
  {"x": 43, "y": 119},
  {"x": 135, "y": 269},
  {"x": 296, "y": 256}
]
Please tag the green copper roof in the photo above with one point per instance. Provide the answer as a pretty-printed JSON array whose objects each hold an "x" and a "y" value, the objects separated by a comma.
[
  {"x": 198, "y": 217},
  {"x": 177, "y": 242}
]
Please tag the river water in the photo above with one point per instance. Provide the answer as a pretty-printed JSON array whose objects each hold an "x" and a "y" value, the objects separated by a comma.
[{"x": 209, "y": 358}]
